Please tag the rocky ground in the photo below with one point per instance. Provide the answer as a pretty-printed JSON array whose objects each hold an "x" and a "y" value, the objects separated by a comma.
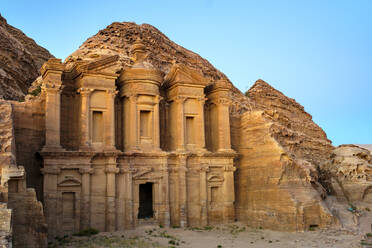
[{"x": 234, "y": 235}]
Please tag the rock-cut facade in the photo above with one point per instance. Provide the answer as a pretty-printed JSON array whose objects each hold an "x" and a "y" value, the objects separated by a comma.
[{"x": 138, "y": 147}]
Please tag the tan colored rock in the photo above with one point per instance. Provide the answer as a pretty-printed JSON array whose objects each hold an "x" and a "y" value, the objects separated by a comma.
[
  {"x": 349, "y": 173},
  {"x": 20, "y": 61},
  {"x": 27, "y": 218}
]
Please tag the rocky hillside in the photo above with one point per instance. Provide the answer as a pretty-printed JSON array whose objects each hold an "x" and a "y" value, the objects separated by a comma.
[
  {"x": 294, "y": 128},
  {"x": 20, "y": 61},
  {"x": 117, "y": 39}
]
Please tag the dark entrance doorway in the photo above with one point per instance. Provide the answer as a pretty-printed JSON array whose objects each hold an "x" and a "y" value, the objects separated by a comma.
[{"x": 145, "y": 209}]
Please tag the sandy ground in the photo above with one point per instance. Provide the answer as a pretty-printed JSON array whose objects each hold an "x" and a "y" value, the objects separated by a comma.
[{"x": 234, "y": 235}]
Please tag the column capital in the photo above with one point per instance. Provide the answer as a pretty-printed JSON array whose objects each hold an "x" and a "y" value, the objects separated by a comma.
[
  {"x": 204, "y": 168},
  {"x": 202, "y": 99},
  {"x": 132, "y": 97},
  {"x": 158, "y": 98},
  {"x": 112, "y": 93},
  {"x": 180, "y": 99},
  {"x": 52, "y": 87},
  {"x": 51, "y": 170},
  {"x": 221, "y": 101},
  {"x": 86, "y": 170},
  {"x": 109, "y": 170},
  {"x": 85, "y": 91}
]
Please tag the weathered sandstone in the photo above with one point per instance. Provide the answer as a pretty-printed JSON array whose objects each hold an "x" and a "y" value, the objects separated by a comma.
[
  {"x": 349, "y": 173},
  {"x": 20, "y": 61},
  {"x": 277, "y": 180},
  {"x": 27, "y": 219}
]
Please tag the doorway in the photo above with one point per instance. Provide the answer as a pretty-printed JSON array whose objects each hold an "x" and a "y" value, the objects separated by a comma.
[{"x": 145, "y": 209}]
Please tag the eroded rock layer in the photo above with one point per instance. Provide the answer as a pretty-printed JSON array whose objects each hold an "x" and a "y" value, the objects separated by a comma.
[
  {"x": 349, "y": 173},
  {"x": 20, "y": 61}
]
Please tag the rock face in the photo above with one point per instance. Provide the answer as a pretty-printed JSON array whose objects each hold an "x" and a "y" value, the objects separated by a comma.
[
  {"x": 117, "y": 39},
  {"x": 349, "y": 173},
  {"x": 20, "y": 61},
  {"x": 20, "y": 211},
  {"x": 277, "y": 180}
]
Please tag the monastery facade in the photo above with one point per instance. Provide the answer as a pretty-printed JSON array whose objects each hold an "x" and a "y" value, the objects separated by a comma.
[{"x": 141, "y": 147}]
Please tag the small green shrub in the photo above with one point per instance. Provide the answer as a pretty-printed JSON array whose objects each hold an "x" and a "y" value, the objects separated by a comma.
[
  {"x": 87, "y": 232},
  {"x": 36, "y": 91}
]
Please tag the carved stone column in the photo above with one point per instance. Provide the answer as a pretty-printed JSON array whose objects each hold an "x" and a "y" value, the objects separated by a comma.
[
  {"x": 201, "y": 128},
  {"x": 229, "y": 194},
  {"x": 52, "y": 86},
  {"x": 131, "y": 139},
  {"x": 203, "y": 195},
  {"x": 127, "y": 193},
  {"x": 157, "y": 123},
  {"x": 110, "y": 122},
  {"x": 165, "y": 196},
  {"x": 179, "y": 128},
  {"x": 84, "y": 117},
  {"x": 110, "y": 197},
  {"x": 223, "y": 119},
  {"x": 182, "y": 169},
  {"x": 219, "y": 98},
  {"x": 51, "y": 199},
  {"x": 85, "y": 196}
]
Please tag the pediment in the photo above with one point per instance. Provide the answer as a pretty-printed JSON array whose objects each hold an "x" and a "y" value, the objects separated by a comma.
[
  {"x": 215, "y": 178},
  {"x": 69, "y": 181},
  {"x": 106, "y": 65},
  {"x": 142, "y": 172},
  {"x": 182, "y": 74}
]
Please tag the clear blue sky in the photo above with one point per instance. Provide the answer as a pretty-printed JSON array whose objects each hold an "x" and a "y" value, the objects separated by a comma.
[{"x": 318, "y": 52}]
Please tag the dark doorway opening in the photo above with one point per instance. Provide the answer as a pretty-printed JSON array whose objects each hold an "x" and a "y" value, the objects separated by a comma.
[{"x": 145, "y": 201}]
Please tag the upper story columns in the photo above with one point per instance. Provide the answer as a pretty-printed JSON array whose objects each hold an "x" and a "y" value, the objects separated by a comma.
[
  {"x": 185, "y": 93},
  {"x": 97, "y": 92},
  {"x": 219, "y": 102},
  {"x": 51, "y": 73},
  {"x": 139, "y": 89}
]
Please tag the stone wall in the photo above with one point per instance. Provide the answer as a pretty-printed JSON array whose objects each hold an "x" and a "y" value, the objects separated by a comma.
[
  {"x": 25, "y": 212},
  {"x": 29, "y": 131},
  {"x": 5, "y": 226}
]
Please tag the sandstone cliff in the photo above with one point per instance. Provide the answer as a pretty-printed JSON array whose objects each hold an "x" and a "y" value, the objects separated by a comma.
[
  {"x": 277, "y": 179},
  {"x": 293, "y": 128},
  {"x": 20, "y": 61},
  {"x": 349, "y": 173}
]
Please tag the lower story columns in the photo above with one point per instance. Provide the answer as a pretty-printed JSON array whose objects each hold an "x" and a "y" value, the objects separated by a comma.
[
  {"x": 229, "y": 194},
  {"x": 110, "y": 199},
  {"x": 85, "y": 197},
  {"x": 51, "y": 199}
]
